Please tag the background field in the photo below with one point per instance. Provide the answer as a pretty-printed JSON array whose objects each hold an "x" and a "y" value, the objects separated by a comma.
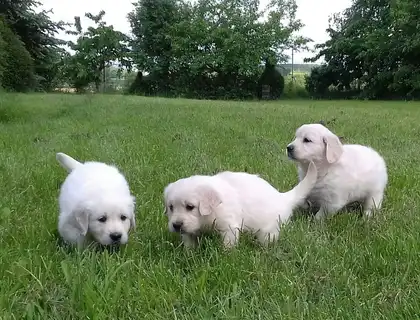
[{"x": 346, "y": 268}]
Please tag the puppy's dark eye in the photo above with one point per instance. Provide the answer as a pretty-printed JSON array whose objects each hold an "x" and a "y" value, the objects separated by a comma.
[
  {"x": 306, "y": 140},
  {"x": 171, "y": 207},
  {"x": 123, "y": 217},
  {"x": 189, "y": 207},
  {"x": 102, "y": 219}
]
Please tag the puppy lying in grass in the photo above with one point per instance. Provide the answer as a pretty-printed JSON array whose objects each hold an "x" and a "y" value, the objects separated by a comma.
[
  {"x": 230, "y": 202},
  {"x": 346, "y": 173},
  {"x": 95, "y": 204}
]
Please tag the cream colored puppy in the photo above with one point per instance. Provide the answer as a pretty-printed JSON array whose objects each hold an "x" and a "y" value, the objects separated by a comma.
[
  {"x": 95, "y": 204},
  {"x": 230, "y": 202},
  {"x": 346, "y": 173}
]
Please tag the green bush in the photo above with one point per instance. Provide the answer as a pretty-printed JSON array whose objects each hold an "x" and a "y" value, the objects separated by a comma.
[
  {"x": 273, "y": 78},
  {"x": 136, "y": 85},
  {"x": 16, "y": 66},
  {"x": 295, "y": 87},
  {"x": 144, "y": 85},
  {"x": 318, "y": 82},
  {"x": 3, "y": 57}
]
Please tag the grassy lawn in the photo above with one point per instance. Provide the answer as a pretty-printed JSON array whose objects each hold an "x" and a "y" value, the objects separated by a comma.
[{"x": 346, "y": 268}]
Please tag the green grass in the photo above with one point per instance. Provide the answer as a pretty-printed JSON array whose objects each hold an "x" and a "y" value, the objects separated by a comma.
[{"x": 347, "y": 268}]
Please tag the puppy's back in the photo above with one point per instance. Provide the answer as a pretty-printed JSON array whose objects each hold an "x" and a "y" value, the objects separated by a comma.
[
  {"x": 261, "y": 204},
  {"x": 362, "y": 157},
  {"x": 249, "y": 186},
  {"x": 362, "y": 169},
  {"x": 93, "y": 179}
]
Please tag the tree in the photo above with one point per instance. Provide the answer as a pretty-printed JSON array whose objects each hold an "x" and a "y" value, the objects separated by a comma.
[
  {"x": 16, "y": 64},
  {"x": 406, "y": 14},
  {"x": 213, "y": 48},
  {"x": 150, "y": 22},
  {"x": 37, "y": 32},
  {"x": 95, "y": 49},
  {"x": 373, "y": 50}
]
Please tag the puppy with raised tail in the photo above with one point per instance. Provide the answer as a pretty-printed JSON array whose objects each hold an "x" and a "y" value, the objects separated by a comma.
[
  {"x": 346, "y": 173},
  {"x": 231, "y": 202},
  {"x": 95, "y": 204}
]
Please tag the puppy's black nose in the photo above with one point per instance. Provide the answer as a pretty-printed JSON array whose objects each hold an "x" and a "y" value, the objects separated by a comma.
[
  {"x": 115, "y": 236},
  {"x": 177, "y": 226},
  {"x": 290, "y": 148}
]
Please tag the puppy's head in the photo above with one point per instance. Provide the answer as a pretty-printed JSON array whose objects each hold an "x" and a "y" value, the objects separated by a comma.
[
  {"x": 314, "y": 142},
  {"x": 189, "y": 203},
  {"x": 107, "y": 220}
]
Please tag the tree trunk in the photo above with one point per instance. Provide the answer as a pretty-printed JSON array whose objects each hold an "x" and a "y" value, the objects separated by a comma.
[{"x": 103, "y": 77}]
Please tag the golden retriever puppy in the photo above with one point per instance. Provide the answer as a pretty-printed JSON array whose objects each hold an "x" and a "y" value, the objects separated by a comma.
[
  {"x": 231, "y": 202},
  {"x": 346, "y": 173}
]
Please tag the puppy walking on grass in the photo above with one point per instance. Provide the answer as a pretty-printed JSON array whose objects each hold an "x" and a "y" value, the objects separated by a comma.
[
  {"x": 346, "y": 173},
  {"x": 231, "y": 202},
  {"x": 95, "y": 204}
]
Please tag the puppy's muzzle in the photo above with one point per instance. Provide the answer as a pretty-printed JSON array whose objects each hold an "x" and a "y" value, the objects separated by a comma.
[
  {"x": 177, "y": 226},
  {"x": 115, "y": 237},
  {"x": 290, "y": 151}
]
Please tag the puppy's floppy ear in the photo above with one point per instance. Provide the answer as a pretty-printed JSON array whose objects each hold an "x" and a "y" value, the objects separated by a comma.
[
  {"x": 166, "y": 191},
  {"x": 333, "y": 148},
  {"x": 133, "y": 216},
  {"x": 81, "y": 220},
  {"x": 165, "y": 195},
  {"x": 133, "y": 221},
  {"x": 209, "y": 199}
]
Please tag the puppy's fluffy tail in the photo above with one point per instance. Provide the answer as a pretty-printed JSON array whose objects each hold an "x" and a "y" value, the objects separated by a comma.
[
  {"x": 299, "y": 193},
  {"x": 67, "y": 162}
]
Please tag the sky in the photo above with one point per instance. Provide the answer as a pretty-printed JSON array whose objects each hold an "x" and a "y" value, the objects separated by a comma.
[{"x": 313, "y": 13}]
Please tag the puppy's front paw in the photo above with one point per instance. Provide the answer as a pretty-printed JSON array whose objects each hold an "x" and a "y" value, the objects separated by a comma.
[
  {"x": 267, "y": 239},
  {"x": 368, "y": 213},
  {"x": 305, "y": 205},
  {"x": 189, "y": 241},
  {"x": 230, "y": 239},
  {"x": 319, "y": 215}
]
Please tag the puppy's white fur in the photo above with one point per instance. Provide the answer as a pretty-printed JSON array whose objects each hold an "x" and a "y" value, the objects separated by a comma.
[
  {"x": 95, "y": 204},
  {"x": 346, "y": 173},
  {"x": 230, "y": 202}
]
